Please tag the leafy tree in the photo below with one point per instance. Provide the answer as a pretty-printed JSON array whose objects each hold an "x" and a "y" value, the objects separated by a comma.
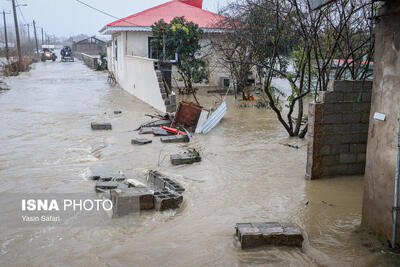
[{"x": 182, "y": 37}]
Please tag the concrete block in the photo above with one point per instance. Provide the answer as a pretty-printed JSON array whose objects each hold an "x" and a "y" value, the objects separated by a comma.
[
  {"x": 171, "y": 108},
  {"x": 351, "y": 118},
  {"x": 101, "y": 173},
  {"x": 330, "y": 160},
  {"x": 162, "y": 182},
  {"x": 348, "y": 158},
  {"x": 358, "y": 148},
  {"x": 131, "y": 200},
  {"x": 365, "y": 117},
  {"x": 101, "y": 126},
  {"x": 340, "y": 148},
  {"x": 166, "y": 200},
  {"x": 252, "y": 235},
  {"x": 361, "y": 157},
  {"x": 350, "y": 97},
  {"x": 141, "y": 141},
  {"x": 325, "y": 150},
  {"x": 104, "y": 186},
  {"x": 183, "y": 138},
  {"x": 146, "y": 131},
  {"x": 343, "y": 85},
  {"x": 361, "y": 107},
  {"x": 189, "y": 157},
  {"x": 332, "y": 97},
  {"x": 332, "y": 118}
]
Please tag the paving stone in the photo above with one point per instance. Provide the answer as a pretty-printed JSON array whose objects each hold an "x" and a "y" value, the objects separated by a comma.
[
  {"x": 146, "y": 130},
  {"x": 183, "y": 138},
  {"x": 141, "y": 141},
  {"x": 131, "y": 200},
  {"x": 166, "y": 200},
  {"x": 252, "y": 235},
  {"x": 189, "y": 157},
  {"x": 101, "y": 126},
  {"x": 160, "y": 132}
]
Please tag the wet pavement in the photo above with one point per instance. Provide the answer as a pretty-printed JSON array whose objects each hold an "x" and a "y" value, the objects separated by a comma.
[{"x": 246, "y": 175}]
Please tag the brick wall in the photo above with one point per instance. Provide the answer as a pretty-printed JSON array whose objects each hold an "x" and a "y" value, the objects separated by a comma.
[{"x": 338, "y": 130}]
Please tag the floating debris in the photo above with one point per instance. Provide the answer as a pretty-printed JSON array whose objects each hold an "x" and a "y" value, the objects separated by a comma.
[
  {"x": 101, "y": 126},
  {"x": 183, "y": 138},
  {"x": 252, "y": 235},
  {"x": 189, "y": 157},
  {"x": 141, "y": 141}
]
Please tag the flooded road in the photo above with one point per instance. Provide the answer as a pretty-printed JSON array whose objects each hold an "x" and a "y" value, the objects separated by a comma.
[{"x": 246, "y": 175}]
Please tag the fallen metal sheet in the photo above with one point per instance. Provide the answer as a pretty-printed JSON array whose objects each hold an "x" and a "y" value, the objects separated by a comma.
[
  {"x": 202, "y": 120},
  {"x": 214, "y": 119}
]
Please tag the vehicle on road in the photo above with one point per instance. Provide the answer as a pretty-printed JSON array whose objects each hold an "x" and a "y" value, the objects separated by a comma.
[
  {"x": 48, "y": 53},
  {"x": 66, "y": 54}
]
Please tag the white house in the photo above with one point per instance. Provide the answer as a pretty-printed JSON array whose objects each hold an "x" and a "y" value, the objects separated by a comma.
[{"x": 130, "y": 57}]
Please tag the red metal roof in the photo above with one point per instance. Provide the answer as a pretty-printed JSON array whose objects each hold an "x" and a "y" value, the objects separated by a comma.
[{"x": 190, "y": 9}]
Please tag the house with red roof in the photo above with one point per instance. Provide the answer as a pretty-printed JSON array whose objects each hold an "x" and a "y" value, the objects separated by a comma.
[{"x": 131, "y": 57}]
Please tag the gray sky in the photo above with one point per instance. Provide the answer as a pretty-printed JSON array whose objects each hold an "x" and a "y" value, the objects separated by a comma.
[{"x": 68, "y": 17}]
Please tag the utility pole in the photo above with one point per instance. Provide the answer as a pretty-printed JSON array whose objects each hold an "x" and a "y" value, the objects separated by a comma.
[
  {"x": 42, "y": 37},
  {"x": 29, "y": 32},
  {"x": 5, "y": 36},
  {"x": 17, "y": 33},
  {"x": 37, "y": 45}
]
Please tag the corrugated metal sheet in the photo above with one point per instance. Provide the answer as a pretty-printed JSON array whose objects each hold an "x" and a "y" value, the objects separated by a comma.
[{"x": 214, "y": 119}]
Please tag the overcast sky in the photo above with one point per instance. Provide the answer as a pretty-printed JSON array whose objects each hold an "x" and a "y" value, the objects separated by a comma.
[{"x": 68, "y": 17}]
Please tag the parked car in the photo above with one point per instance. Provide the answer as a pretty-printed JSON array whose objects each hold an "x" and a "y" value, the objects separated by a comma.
[{"x": 66, "y": 54}]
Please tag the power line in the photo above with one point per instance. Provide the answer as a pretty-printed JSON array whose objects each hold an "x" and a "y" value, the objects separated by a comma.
[
  {"x": 20, "y": 11},
  {"x": 105, "y": 13}
]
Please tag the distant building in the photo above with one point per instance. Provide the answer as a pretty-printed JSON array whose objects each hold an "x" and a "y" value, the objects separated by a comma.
[{"x": 90, "y": 46}]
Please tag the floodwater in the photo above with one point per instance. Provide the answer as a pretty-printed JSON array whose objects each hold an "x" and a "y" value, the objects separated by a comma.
[{"x": 246, "y": 175}]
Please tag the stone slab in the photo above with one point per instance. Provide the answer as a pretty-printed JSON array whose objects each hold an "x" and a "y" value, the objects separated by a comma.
[
  {"x": 141, "y": 141},
  {"x": 189, "y": 157},
  {"x": 252, "y": 235},
  {"x": 183, "y": 138},
  {"x": 101, "y": 126},
  {"x": 130, "y": 200},
  {"x": 166, "y": 200}
]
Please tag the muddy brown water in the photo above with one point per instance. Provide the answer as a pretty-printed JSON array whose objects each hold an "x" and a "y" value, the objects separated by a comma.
[{"x": 246, "y": 175}]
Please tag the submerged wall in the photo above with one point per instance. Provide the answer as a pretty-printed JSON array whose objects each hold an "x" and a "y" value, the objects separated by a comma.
[
  {"x": 382, "y": 138},
  {"x": 338, "y": 130}
]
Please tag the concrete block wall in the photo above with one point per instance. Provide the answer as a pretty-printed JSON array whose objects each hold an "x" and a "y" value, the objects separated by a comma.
[
  {"x": 338, "y": 130},
  {"x": 90, "y": 61},
  {"x": 169, "y": 100}
]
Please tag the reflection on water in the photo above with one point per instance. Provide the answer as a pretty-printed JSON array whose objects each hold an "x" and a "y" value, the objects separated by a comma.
[{"x": 246, "y": 175}]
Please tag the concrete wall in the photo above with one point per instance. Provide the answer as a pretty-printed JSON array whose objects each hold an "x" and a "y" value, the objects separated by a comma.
[
  {"x": 382, "y": 138},
  {"x": 338, "y": 130},
  {"x": 140, "y": 79}
]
